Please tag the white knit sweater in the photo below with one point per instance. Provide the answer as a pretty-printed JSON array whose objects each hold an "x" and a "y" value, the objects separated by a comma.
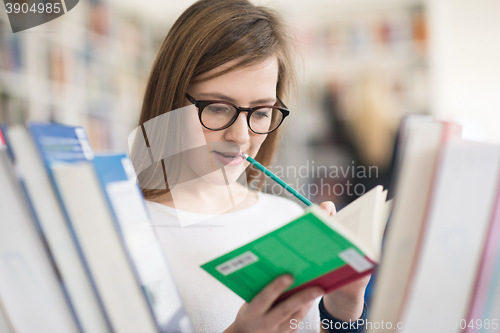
[{"x": 211, "y": 306}]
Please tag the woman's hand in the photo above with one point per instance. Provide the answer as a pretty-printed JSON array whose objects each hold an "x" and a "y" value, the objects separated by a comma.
[
  {"x": 345, "y": 303},
  {"x": 259, "y": 316}
]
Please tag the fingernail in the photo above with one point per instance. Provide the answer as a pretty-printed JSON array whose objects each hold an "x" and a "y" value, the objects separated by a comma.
[{"x": 286, "y": 280}]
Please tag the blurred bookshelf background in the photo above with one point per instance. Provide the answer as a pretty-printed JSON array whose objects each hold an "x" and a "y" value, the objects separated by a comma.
[
  {"x": 87, "y": 69},
  {"x": 363, "y": 66}
]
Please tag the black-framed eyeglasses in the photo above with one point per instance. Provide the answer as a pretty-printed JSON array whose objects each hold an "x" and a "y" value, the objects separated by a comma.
[{"x": 219, "y": 115}]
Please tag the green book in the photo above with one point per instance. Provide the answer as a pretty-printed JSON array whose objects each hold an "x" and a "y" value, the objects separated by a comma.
[{"x": 316, "y": 249}]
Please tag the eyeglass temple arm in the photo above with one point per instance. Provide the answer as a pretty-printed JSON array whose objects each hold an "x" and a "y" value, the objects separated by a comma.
[
  {"x": 281, "y": 102},
  {"x": 191, "y": 99}
]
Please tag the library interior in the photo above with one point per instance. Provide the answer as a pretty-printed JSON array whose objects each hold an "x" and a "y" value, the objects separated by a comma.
[{"x": 365, "y": 166}]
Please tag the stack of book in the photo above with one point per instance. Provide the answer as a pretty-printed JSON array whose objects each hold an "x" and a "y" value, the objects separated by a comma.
[
  {"x": 78, "y": 254},
  {"x": 440, "y": 268},
  {"x": 77, "y": 251}
]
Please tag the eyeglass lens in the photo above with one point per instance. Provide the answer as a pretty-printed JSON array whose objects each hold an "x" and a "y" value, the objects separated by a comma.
[{"x": 219, "y": 115}]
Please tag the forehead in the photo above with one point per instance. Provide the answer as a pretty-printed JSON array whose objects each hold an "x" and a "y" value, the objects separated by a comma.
[{"x": 255, "y": 81}]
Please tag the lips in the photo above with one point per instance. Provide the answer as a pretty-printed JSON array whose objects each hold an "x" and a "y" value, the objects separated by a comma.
[{"x": 229, "y": 158}]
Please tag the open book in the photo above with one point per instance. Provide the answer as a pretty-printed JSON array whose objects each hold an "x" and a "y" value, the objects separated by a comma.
[{"x": 316, "y": 249}]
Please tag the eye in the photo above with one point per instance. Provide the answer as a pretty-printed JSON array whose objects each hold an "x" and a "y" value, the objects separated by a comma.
[
  {"x": 263, "y": 113},
  {"x": 218, "y": 108}
]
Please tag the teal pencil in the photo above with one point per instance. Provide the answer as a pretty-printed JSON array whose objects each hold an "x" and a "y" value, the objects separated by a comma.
[{"x": 277, "y": 180}]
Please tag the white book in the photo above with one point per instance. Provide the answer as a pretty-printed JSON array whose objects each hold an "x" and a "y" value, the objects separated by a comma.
[
  {"x": 484, "y": 312},
  {"x": 409, "y": 122},
  {"x": 459, "y": 215},
  {"x": 94, "y": 227},
  {"x": 29, "y": 286},
  {"x": 118, "y": 181},
  {"x": 413, "y": 187},
  {"x": 57, "y": 234},
  {"x": 5, "y": 323}
]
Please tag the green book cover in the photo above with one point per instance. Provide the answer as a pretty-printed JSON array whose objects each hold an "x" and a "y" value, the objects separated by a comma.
[{"x": 306, "y": 248}]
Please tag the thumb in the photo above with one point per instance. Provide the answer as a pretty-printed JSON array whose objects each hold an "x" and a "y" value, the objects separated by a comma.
[{"x": 329, "y": 207}]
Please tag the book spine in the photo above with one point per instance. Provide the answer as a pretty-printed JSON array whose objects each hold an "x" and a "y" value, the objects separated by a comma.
[
  {"x": 450, "y": 130},
  {"x": 50, "y": 255},
  {"x": 331, "y": 280},
  {"x": 99, "y": 167},
  {"x": 46, "y": 163},
  {"x": 43, "y": 239}
]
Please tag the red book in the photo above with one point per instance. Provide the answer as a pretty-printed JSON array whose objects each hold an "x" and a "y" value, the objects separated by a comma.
[{"x": 2, "y": 139}]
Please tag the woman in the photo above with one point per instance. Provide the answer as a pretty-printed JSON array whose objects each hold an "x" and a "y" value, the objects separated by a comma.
[{"x": 224, "y": 68}]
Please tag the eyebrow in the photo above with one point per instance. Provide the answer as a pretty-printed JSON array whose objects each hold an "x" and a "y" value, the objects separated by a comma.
[{"x": 223, "y": 97}]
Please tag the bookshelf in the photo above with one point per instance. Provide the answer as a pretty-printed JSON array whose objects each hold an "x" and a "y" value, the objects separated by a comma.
[
  {"x": 384, "y": 45},
  {"x": 88, "y": 67}
]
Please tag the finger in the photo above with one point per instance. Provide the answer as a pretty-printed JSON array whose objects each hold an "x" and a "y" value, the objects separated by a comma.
[
  {"x": 353, "y": 290},
  {"x": 290, "y": 325},
  {"x": 329, "y": 207},
  {"x": 265, "y": 299},
  {"x": 285, "y": 309}
]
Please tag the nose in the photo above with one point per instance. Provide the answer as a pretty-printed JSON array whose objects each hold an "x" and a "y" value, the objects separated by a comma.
[{"x": 238, "y": 132}]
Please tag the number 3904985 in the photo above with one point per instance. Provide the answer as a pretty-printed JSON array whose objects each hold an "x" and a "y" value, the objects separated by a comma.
[{"x": 35, "y": 8}]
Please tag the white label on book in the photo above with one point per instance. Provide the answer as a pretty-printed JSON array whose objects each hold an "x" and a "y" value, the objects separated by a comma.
[
  {"x": 355, "y": 260},
  {"x": 237, "y": 263},
  {"x": 84, "y": 143}
]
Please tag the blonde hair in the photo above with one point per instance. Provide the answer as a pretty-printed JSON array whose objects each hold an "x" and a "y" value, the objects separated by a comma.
[{"x": 208, "y": 34}]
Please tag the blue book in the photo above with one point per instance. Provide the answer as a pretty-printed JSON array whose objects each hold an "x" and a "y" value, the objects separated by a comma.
[
  {"x": 117, "y": 177},
  {"x": 67, "y": 156}
]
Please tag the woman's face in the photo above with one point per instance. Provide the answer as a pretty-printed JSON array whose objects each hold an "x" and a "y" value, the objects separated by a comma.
[{"x": 246, "y": 87}]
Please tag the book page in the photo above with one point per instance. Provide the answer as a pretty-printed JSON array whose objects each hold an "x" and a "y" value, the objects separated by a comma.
[
  {"x": 108, "y": 263},
  {"x": 144, "y": 249},
  {"x": 459, "y": 215},
  {"x": 56, "y": 231},
  {"x": 385, "y": 208},
  {"x": 361, "y": 219},
  {"x": 412, "y": 190},
  {"x": 29, "y": 286}
]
